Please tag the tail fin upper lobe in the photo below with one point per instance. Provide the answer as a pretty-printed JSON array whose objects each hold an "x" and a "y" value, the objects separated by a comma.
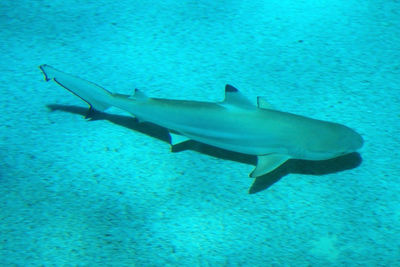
[{"x": 96, "y": 96}]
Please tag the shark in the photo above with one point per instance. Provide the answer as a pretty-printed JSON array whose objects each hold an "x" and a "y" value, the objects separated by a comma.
[{"x": 235, "y": 124}]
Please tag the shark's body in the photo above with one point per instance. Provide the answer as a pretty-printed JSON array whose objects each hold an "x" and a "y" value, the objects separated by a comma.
[{"x": 234, "y": 124}]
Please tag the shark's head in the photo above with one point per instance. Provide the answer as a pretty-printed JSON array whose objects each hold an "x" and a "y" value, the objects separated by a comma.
[{"x": 330, "y": 141}]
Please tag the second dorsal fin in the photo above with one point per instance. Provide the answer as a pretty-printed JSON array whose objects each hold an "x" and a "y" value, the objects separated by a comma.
[{"x": 263, "y": 103}]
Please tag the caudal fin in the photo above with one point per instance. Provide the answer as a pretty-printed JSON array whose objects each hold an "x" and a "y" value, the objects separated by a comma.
[{"x": 96, "y": 96}]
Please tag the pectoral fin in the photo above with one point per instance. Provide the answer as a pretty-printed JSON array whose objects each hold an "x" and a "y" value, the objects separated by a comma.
[{"x": 268, "y": 163}]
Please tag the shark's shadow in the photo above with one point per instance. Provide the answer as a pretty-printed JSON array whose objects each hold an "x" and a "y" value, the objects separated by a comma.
[{"x": 261, "y": 183}]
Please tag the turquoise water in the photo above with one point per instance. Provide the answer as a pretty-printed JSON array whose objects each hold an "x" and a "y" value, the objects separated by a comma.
[{"x": 109, "y": 192}]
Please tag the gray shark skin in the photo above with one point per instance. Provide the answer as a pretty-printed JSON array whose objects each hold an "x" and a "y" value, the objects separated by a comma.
[{"x": 234, "y": 124}]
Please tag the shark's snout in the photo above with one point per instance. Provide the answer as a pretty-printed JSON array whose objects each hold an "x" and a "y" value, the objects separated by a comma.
[
  {"x": 354, "y": 141},
  {"x": 359, "y": 142}
]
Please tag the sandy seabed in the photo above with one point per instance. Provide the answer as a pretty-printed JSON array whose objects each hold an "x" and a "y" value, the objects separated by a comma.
[{"x": 109, "y": 192}]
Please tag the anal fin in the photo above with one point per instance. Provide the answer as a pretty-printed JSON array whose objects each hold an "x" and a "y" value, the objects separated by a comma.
[{"x": 177, "y": 138}]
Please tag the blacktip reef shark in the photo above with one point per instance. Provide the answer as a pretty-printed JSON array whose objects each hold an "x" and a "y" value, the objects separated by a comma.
[{"x": 235, "y": 124}]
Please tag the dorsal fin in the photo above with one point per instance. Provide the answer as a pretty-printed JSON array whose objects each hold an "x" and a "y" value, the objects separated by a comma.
[
  {"x": 234, "y": 98},
  {"x": 138, "y": 94}
]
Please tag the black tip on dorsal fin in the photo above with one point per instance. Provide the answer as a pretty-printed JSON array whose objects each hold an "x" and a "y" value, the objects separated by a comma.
[
  {"x": 139, "y": 94},
  {"x": 234, "y": 98},
  {"x": 229, "y": 88}
]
